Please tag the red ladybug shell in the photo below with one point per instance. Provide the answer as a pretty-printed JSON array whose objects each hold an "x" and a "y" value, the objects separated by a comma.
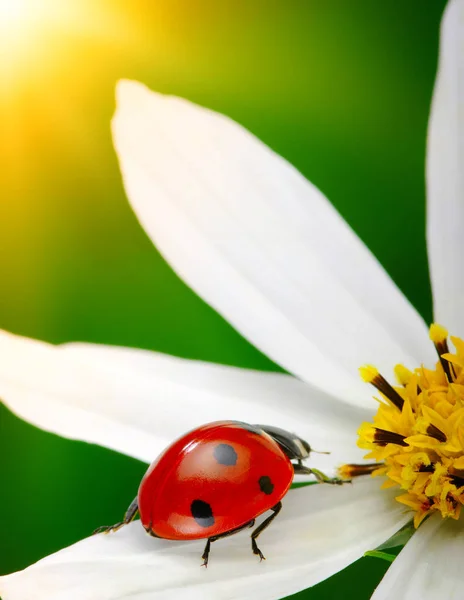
[{"x": 214, "y": 479}]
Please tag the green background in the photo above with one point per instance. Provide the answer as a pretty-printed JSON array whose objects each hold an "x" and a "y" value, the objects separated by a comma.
[{"x": 341, "y": 88}]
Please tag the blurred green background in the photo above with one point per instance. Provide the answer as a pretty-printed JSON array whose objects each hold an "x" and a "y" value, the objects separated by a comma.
[{"x": 340, "y": 88}]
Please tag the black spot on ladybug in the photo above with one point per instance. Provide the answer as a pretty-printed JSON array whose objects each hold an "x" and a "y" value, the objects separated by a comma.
[
  {"x": 225, "y": 455},
  {"x": 202, "y": 513},
  {"x": 248, "y": 427},
  {"x": 266, "y": 485}
]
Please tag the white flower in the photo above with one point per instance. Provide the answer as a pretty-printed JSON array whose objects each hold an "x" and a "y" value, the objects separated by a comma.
[{"x": 264, "y": 247}]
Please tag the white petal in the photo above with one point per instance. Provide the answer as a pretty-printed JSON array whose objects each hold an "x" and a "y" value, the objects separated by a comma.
[
  {"x": 430, "y": 565},
  {"x": 445, "y": 175},
  {"x": 321, "y": 530},
  {"x": 136, "y": 401},
  {"x": 261, "y": 244}
]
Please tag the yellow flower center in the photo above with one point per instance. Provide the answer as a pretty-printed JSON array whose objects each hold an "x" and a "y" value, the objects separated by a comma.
[{"x": 417, "y": 437}]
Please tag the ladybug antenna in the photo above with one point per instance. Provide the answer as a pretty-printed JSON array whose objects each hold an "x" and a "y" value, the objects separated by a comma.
[{"x": 319, "y": 451}]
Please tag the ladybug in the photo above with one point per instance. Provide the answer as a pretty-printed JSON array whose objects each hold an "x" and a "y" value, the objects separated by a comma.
[{"x": 216, "y": 480}]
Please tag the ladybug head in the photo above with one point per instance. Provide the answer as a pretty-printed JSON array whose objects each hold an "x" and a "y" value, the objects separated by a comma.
[
  {"x": 306, "y": 446},
  {"x": 292, "y": 445}
]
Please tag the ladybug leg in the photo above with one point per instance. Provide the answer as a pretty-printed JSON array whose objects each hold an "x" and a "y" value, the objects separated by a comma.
[
  {"x": 129, "y": 516},
  {"x": 321, "y": 477},
  {"x": 205, "y": 554},
  {"x": 254, "y": 546}
]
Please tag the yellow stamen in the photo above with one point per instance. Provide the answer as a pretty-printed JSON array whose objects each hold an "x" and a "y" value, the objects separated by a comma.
[
  {"x": 372, "y": 376},
  {"x": 356, "y": 470},
  {"x": 417, "y": 437},
  {"x": 438, "y": 334},
  {"x": 403, "y": 375},
  {"x": 459, "y": 463},
  {"x": 368, "y": 373}
]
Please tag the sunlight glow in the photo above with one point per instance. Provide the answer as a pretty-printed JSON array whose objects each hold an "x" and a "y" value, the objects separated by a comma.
[
  {"x": 36, "y": 35},
  {"x": 10, "y": 11},
  {"x": 47, "y": 71},
  {"x": 20, "y": 16}
]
